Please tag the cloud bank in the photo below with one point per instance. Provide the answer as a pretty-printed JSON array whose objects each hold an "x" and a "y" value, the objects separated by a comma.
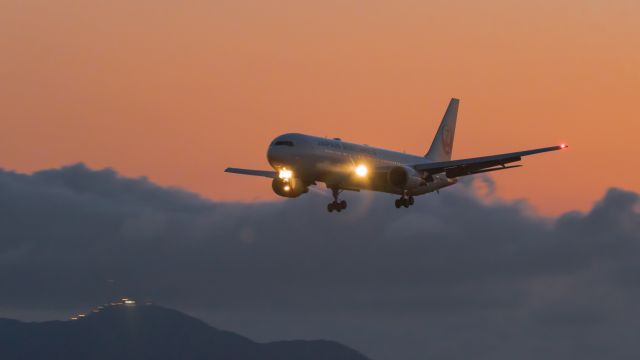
[{"x": 459, "y": 275}]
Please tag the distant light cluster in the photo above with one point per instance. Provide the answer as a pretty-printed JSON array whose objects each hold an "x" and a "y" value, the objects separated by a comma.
[{"x": 120, "y": 302}]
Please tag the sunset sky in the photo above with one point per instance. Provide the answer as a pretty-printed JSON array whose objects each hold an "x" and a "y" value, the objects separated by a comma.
[
  {"x": 177, "y": 92},
  {"x": 117, "y": 119}
]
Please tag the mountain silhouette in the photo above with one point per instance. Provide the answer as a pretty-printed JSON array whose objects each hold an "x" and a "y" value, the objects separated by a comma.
[{"x": 149, "y": 332}]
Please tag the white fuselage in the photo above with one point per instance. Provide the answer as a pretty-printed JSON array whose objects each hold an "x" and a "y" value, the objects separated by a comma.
[{"x": 333, "y": 161}]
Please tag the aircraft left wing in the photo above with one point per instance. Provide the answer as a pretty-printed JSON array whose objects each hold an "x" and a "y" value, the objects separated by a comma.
[
  {"x": 263, "y": 173},
  {"x": 463, "y": 167}
]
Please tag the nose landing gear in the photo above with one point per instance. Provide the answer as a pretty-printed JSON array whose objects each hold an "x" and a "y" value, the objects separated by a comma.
[
  {"x": 336, "y": 204},
  {"x": 405, "y": 201}
]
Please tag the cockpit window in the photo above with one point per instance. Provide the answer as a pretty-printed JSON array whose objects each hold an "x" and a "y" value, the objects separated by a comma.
[{"x": 283, "y": 143}]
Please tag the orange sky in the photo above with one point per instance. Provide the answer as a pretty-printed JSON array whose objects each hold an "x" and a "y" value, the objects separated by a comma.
[{"x": 177, "y": 92}]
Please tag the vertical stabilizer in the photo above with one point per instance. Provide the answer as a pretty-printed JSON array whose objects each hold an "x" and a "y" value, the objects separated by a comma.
[{"x": 442, "y": 144}]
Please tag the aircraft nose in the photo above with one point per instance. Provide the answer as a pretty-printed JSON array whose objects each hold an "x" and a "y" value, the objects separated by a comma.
[{"x": 275, "y": 156}]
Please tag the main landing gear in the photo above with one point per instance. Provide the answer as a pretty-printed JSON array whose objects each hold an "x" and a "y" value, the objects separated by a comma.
[
  {"x": 405, "y": 201},
  {"x": 336, "y": 205}
]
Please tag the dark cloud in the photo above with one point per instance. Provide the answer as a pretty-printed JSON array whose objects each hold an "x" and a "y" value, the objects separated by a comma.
[{"x": 460, "y": 275}]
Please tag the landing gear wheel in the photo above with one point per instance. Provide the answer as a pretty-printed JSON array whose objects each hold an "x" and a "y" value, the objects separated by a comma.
[
  {"x": 404, "y": 201},
  {"x": 336, "y": 205}
]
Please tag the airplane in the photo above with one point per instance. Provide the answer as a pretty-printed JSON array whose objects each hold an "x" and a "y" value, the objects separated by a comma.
[{"x": 300, "y": 161}]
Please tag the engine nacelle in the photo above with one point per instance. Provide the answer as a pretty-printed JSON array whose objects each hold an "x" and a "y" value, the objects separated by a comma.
[
  {"x": 405, "y": 178},
  {"x": 290, "y": 188}
]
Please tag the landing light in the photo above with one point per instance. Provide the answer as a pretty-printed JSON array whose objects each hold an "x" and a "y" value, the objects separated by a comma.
[
  {"x": 361, "y": 170},
  {"x": 563, "y": 146},
  {"x": 285, "y": 174},
  {"x": 287, "y": 188}
]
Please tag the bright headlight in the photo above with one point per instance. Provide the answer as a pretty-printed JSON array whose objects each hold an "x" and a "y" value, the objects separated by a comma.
[
  {"x": 285, "y": 174},
  {"x": 361, "y": 170}
]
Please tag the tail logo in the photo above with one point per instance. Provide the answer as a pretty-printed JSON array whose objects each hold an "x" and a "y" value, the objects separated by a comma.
[{"x": 447, "y": 140}]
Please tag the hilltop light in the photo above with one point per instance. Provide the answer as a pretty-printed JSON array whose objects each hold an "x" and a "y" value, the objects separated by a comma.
[{"x": 361, "y": 170}]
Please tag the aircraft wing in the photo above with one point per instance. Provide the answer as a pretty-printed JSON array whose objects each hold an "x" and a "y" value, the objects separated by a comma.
[
  {"x": 463, "y": 167},
  {"x": 263, "y": 173}
]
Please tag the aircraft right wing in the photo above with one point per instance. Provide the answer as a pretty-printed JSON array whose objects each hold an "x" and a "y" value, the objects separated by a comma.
[
  {"x": 463, "y": 167},
  {"x": 263, "y": 173}
]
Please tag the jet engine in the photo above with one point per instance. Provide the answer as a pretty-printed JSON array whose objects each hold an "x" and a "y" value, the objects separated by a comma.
[
  {"x": 405, "y": 178},
  {"x": 290, "y": 188}
]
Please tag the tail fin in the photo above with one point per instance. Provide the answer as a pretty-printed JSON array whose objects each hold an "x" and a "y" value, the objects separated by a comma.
[{"x": 442, "y": 144}]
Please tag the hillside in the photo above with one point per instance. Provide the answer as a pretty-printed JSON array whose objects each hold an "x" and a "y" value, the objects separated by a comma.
[{"x": 149, "y": 332}]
